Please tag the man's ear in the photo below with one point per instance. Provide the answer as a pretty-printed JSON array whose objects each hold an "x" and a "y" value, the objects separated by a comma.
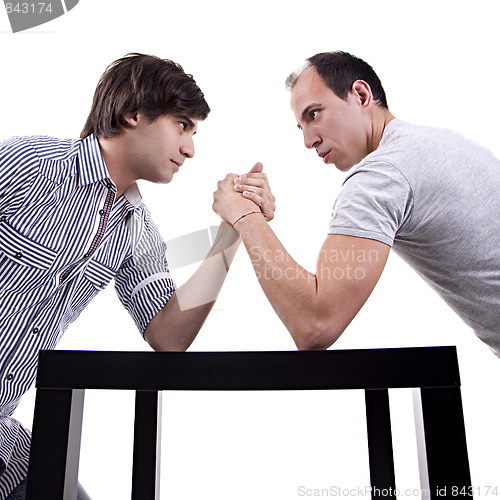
[
  {"x": 132, "y": 119},
  {"x": 362, "y": 92}
]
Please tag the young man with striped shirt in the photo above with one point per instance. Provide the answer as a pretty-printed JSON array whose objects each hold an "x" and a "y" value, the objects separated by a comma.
[{"x": 72, "y": 219}]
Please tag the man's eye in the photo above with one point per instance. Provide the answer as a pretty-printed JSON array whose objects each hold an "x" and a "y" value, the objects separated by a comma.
[
  {"x": 184, "y": 125},
  {"x": 314, "y": 114}
]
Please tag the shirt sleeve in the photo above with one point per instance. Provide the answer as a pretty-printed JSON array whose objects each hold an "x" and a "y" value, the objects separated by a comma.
[
  {"x": 143, "y": 283},
  {"x": 19, "y": 165},
  {"x": 374, "y": 202}
]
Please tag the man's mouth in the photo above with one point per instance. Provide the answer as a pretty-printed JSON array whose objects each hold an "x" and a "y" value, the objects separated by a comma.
[{"x": 325, "y": 156}]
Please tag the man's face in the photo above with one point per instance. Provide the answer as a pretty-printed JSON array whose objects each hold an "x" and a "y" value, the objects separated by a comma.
[
  {"x": 160, "y": 148},
  {"x": 337, "y": 129}
]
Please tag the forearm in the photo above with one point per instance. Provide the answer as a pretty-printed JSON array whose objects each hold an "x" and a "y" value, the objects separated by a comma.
[
  {"x": 177, "y": 324},
  {"x": 291, "y": 290}
]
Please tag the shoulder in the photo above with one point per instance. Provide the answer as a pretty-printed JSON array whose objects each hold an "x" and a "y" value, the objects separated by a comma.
[
  {"x": 380, "y": 171},
  {"x": 399, "y": 141},
  {"x": 51, "y": 148},
  {"x": 407, "y": 150},
  {"x": 142, "y": 227},
  {"x": 403, "y": 140},
  {"x": 42, "y": 147}
]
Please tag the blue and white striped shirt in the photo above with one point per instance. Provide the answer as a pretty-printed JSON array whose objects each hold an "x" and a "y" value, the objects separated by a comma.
[{"x": 62, "y": 240}]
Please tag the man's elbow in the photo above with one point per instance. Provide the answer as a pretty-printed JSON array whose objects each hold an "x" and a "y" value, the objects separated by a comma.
[
  {"x": 315, "y": 336},
  {"x": 167, "y": 345},
  {"x": 160, "y": 340}
]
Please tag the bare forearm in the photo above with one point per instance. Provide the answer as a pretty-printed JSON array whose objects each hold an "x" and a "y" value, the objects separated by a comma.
[
  {"x": 291, "y": 290},
  {"x": 177, "y": 324}
]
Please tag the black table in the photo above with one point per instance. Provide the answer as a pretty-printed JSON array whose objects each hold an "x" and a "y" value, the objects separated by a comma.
[{"x": 63, "y": 377}]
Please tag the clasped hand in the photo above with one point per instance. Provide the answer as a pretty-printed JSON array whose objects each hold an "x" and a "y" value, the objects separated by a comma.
[{"x": 239, "y": 194}]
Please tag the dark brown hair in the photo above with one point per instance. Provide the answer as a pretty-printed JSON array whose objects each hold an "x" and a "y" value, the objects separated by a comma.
[
  {"x": 339, "y": 70},
  {"x": 139, "y": 82}
]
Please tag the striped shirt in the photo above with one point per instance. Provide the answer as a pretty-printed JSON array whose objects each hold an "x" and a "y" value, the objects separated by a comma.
[{"x": 63, "y": 238}]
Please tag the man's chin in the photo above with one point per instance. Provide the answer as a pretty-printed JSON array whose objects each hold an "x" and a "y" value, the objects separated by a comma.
[
  {"x": 341, "y": 168},
  {"x": 161, "y": 180},
  {"x": 167, "y": 178}
]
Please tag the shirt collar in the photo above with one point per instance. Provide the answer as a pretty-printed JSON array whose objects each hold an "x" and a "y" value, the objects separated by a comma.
[
  {"x": 91, "y": 169},
  {"x": 133, "y": 195}
]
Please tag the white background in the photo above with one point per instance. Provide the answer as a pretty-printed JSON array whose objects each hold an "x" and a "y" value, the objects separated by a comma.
[{"x": 438, "y": 62}]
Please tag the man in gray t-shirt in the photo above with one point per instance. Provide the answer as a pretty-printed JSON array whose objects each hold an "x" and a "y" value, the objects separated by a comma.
[
  {"x": 429, "y": 193},
  {"x": 433, "y": 196}
]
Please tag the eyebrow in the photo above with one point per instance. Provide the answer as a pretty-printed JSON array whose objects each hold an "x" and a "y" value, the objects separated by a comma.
[{"x": 185, "y": 118}]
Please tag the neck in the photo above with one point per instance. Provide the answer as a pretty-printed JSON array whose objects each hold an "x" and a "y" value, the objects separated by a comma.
[
  {"x": 380, "y": 119},
  {"x": 116, "y": 159}
]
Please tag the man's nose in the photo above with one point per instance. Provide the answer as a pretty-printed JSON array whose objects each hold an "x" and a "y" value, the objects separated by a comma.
[
  {"x": 187, "y": 147},
  {"x": 311, "y": 139}
]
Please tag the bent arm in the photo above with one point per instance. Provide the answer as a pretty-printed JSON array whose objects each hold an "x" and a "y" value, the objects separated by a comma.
[
  {"x": 175, "y": 327},
  {"x": 315, "y": 308}
]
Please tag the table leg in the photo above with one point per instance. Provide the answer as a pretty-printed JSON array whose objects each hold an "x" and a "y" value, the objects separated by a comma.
[
  {"x": 147, "y": 437},
  {"x": 55, "y": 445},
  {"x": 378, "y": 422}
]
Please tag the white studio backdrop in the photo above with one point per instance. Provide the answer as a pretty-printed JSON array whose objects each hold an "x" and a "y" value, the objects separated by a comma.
[{"x": 438, "y": 62}]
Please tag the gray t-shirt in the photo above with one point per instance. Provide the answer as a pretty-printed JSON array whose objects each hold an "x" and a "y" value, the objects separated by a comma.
[{"x": 435, "y": 197}]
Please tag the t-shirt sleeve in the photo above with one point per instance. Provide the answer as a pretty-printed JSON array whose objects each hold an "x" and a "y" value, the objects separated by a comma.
[
  {"x": 374, "y": 202},
  {"x": 143, "y": 283}
]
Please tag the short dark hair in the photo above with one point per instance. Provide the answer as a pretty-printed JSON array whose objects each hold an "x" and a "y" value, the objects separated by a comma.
[
  {"x": 139, "y": 82},
  {"x": 339, "y": 70}
]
